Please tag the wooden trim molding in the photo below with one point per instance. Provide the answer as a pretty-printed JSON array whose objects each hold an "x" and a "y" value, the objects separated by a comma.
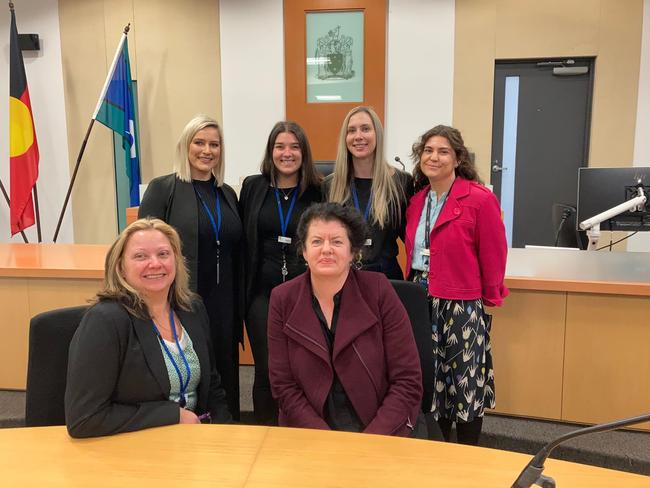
[{"x": 322, "y": 121}]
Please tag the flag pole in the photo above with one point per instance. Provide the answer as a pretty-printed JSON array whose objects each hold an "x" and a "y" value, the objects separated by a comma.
[
  {"x": 38, "y": 215},
  {"x": 74, "y": 176},
  {"x": 110, "y": 71},
  {"x": 4, "y": 192},
  {"x": 90, "y": 126}
]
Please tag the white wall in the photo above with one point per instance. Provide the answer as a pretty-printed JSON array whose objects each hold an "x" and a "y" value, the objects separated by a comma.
[
  {"x": 419, "y": 71},
  {"x": 45, "y": 81},
  {"x": 641, "y": 241},
  {"x": 419, "y": 76},
  {"x": 252, "y": 80}
]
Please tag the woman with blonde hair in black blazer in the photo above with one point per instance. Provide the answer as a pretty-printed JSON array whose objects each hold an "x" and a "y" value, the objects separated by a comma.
[
  {"x": 141, "y": 356},
  {"x": 204, "y": 210},
  {"x": 363, "y": 178}
]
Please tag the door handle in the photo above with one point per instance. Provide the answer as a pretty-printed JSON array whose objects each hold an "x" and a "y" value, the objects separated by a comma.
[{"x": 496, "y": 168}]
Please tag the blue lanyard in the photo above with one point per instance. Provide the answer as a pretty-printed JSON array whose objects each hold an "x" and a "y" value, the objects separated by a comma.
[
  {"x": 183, "y": 386},
  {"x": 216, "y": 227},
  {"x": 284, "y": 220},
  {"x": 355, "y": 198}
]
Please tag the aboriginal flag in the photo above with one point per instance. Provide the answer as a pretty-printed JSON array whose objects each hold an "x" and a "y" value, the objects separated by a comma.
[{"x": 23, "y": 148}]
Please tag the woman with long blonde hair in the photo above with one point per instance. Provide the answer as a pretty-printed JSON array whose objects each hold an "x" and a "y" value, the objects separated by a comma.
[
  {"x": 380, "y": 192},
  {"x": 141, "y": 356}
]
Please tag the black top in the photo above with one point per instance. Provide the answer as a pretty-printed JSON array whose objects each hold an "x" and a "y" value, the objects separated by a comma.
[
  {"x": 339, "y": 412},
  {"x": 230, "y": 237},
  {"x": 381, "y": 255},
  {"x": 174, "y": 201},
  {"x": 254, "y": 192},
  {"x": 273, "y": 252},
  {"x": 218, "y": 297}
]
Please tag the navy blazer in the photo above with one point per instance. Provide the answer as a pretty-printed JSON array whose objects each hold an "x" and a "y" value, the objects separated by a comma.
[
  {"x": 117, "y": 379},
  {"x": 374, "y": 355}
]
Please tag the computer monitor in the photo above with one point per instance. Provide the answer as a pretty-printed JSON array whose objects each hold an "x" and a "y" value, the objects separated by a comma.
[{"x": 600, "y": 189}]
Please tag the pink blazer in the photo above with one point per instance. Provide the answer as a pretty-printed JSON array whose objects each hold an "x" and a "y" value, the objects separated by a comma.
[
  {"x": 467, "y": 244},
  {"x": 374, "y": 355}
]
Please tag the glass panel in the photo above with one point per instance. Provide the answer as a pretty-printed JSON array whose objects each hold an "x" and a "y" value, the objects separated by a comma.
[
  {"x": 511, "y": 110},
  {"x": 334, "y": 57}
]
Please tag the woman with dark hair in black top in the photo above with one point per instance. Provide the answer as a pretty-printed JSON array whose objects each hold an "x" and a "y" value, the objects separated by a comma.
[{"x": 271, "y": 205}]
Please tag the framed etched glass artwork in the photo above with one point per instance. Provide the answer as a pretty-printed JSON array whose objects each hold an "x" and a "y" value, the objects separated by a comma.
[{"x": 334, "y": 56}]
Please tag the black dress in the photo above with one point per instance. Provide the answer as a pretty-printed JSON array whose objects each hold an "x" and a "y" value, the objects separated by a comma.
[{"x": 219, "y": 295}]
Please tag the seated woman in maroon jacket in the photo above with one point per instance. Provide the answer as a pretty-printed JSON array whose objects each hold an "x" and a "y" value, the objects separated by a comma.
[
  {"x": 456, "y": 248},
  {"x": 341, "y": 349}
]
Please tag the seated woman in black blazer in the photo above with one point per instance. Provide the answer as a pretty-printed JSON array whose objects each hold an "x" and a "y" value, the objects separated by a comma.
[{"x": 141, "y": 356}]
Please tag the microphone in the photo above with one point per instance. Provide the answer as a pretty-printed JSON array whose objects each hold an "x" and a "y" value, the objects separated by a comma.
[
  {"x": 532, "y": 473},
  {"x": 566, "y": 213},
  {"x": 398, "y": 160}
]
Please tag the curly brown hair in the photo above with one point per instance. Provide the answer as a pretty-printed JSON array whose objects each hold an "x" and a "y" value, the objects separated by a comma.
[{"x": 465, "y": 168}]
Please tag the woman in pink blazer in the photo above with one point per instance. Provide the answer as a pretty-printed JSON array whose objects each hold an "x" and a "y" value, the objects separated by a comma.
[{"x": 456, "y": 248}]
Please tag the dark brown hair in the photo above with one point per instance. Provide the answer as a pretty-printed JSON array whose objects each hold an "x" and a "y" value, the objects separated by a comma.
[
  {"x": 308, "y": 174},
  {"x": 465, "y": 168},
  {"x": 347, "y": 216}
]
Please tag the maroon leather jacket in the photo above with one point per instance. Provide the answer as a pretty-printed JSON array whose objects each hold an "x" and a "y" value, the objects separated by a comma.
[{"x": 374, "y": 355}]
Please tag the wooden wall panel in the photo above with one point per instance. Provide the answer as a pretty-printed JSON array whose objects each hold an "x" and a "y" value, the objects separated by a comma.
[
  {"x": 174, "y": 49},
  {"x": 84, "y": 53},
  {"x": 322, "y": 121},
  {"x": 607, "y": 362},
  {"x": 21, "y": 299},
  {"x": 528, "y": 350},
  {"x": 488, "y": 30},
  {"x": 14, "y": 303}
]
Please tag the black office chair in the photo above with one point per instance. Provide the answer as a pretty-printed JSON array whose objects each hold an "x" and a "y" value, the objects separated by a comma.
[
  {"x": 325, "y": 168},
  {"x": 563, "y": 217},
  {"x": 50, "y": 334},
  {"x": 414, "y": 299}
]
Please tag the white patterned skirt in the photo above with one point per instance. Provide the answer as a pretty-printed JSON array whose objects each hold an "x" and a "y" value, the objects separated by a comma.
[{"x": 464, "y": 376}]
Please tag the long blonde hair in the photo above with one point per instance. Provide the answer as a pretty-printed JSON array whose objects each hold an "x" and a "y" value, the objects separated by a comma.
[
  {"x": 181, "y": 159},
  {"x": 386, "y": 193},
  {"x": 115, "y": 285}
]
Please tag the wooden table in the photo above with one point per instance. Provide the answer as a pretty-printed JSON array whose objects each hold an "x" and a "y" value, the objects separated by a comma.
[{"x": 246, "y": 456}]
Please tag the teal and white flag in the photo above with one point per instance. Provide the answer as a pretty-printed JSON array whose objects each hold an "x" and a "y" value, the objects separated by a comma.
[{"x": 116, "y": 110}]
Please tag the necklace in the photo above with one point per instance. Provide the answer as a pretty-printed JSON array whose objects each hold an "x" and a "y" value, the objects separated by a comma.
[{"x": 286, "y": 194}]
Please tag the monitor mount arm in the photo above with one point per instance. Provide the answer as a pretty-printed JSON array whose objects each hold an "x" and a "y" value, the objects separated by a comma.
[{"x": 592, "y": 225}]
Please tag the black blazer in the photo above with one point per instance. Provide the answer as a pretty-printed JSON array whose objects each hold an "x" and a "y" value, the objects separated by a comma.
[
  {"x": 251, "y": 199},
  {"x": 117, "y": 379},
  {"x": 174, "y": 201}
]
